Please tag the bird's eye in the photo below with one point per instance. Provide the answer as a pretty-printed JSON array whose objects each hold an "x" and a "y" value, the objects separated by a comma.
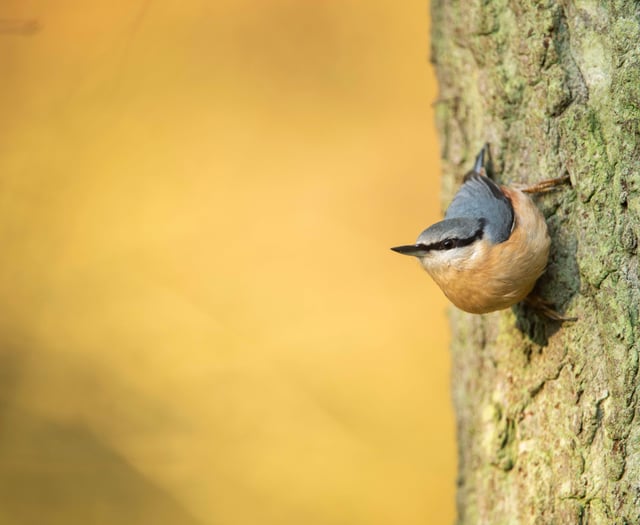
[{"x": 447, "y": 244}]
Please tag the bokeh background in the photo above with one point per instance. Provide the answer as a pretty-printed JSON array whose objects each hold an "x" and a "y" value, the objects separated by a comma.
[{"x": 202, "y": 322}]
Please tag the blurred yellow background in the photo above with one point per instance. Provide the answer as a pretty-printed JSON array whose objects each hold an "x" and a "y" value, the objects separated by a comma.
[{"x": 202, "y": 322}]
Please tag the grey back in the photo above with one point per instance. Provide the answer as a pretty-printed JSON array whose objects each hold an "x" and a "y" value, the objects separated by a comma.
[{"x": 481, "y": 198}]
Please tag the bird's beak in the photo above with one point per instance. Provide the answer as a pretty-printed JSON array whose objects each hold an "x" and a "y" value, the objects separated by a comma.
[{"x": 417, "y": 250}]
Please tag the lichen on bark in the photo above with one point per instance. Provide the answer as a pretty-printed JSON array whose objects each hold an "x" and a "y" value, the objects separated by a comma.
[{"x": 547, "y": 421}]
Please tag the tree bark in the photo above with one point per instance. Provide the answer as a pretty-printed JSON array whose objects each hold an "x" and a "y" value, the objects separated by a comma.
[{"x": 547, "y": 422}]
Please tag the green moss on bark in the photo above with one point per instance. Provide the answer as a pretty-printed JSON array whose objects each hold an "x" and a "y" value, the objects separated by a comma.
[{"x": 547, "y": 414}]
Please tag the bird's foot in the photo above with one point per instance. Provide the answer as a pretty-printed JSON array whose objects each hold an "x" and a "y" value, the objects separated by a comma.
[
  {"x": 546, "y": 309},
  {"x": 546, "y": 185}
]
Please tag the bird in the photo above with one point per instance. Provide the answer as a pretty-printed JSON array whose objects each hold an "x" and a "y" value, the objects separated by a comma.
[{"x": 491, "y": 247}]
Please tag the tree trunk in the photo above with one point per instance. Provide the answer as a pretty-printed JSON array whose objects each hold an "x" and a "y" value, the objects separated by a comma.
[{"x": 547, "y": 421}]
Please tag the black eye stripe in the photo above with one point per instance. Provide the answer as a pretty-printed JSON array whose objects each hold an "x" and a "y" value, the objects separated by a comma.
[
  {"x": 449, "y": 244},
  {"x": 453, "y": 242}
]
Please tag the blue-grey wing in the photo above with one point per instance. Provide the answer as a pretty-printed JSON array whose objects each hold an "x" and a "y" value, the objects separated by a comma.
[{"x": 481, "y": 198}]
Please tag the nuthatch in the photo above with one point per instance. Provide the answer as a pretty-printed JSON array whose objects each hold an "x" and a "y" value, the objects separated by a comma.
[{"x": 491, "y": 247}]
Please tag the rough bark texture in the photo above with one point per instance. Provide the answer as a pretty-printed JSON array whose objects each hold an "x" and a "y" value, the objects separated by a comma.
[{"x": 547, "y": 417}]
